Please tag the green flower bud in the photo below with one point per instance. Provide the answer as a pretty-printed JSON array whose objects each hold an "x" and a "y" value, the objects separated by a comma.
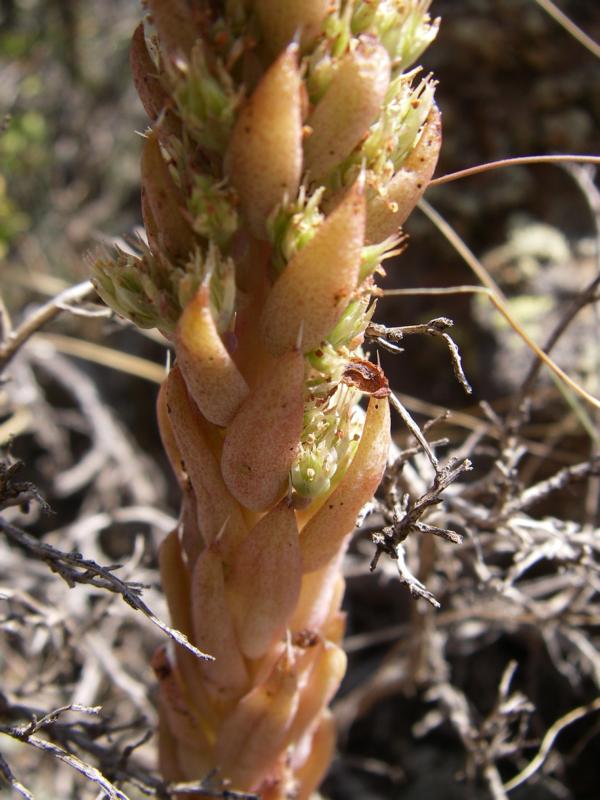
[
  {"x": 328, "y": 443},
  {"x": 142, "y": 290},
  {"x": 205, "y": 98},
  {"x": 392, "y": 137},
  {"x": 324, "y": 61},
  {"x": 375, "y": 254},
  {"x": 292, "y": 225},
  {"x": 320, "y": 68},
  {"x": 136, "y": 288},
  {"x": 311, "y": 474},
  {"x": 353, "y": 322},
  {"x": 220, "y": 272},
  {"x": 331, "y": 424},
  {"x": 211, "y": 204},
  {"x": 404, "y": 29}
]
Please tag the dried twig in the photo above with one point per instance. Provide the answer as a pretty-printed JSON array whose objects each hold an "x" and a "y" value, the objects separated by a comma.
[
  {"x": 498, "y": 736},
  {"x": 415, "y": 586},
  {"x": 86, "y": 738},
  {"x": 17, "y": 493},
  {"x": 406, "y": 519},
  {"x": 87, "y": 770},
  {"x": 435, "y": 327},
  {"x": 7, "y": 774},
  {"x": 414, "y": 429},
  {"x": 73, "y": 569},
  {"x": 15, "y": 339},
  {"x": 109, "y": 444},
  {"x": 559, "y": 480},
  {"x": 192, "y": 788},
  {"x": 64, "y": 736}
]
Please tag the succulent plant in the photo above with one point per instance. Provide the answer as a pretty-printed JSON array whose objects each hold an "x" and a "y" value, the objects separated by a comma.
[{"x": 288, "y": 143}]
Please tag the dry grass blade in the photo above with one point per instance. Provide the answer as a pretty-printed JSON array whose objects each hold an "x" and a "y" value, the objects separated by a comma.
[
  {"x": 513, "y": 162},
  {"x": 548, "y": 741},
  {"x": 499, "y": 301},
  {"x": 567, "y": 23},
  {"x": 106, "y": 356}
]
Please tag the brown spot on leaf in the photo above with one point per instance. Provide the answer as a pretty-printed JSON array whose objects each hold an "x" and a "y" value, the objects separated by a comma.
[
  {"x": 305, "y": 638},
  {"x": 367, "y": 377}
]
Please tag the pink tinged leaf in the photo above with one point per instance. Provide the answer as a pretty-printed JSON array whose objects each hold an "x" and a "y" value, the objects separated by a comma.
[
  {"x": 195, "y": 764},
  {"x": 227, "y": 677},
  {"x": 318, "y": 592},
  {"x": 152, "y": 233},
  {"x": 145, "y": 76},
  {"x": 337, "y": 596},
  {"x": 280, "y": 784},
  {"x": 265, "y": 581},
  {"x": 307, "y": 654},
  {"x": 175, "y": 25},
  {"x": 213, "y": 380},
  {"x": 178, "y": 598},
  {"x": 323, "y": 682},
  {"x": 165, "y": 202},
  {"x": 335, "y": 628},
  {"x": 184, "y": 724},
  {"x": 167, "y": 435},
  {"x": 175, "y": 582},
  {"x": 350, "y": 105},
  {"x": 281, "y": 22},
  {"x": 252, "y": 264},
  {"x": 175, "y": 576},
  {"x": 253, "y": 737},
  {"x": 255, "y": 466},
  {"x": 326, "y": 532},
  {"x": 314, "y": 289},
  {"x": 262, "y": 667},
  {"x": 264, "y": 159},
  {"x": 386, "y": 213},
  {"x": 167, "y": 751},
  {"x": 192, "y": 540},
  {"x": 199, "y": 697},
  {"x": 218, "y": 512},
  {"x": 310, "y": 774}
]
